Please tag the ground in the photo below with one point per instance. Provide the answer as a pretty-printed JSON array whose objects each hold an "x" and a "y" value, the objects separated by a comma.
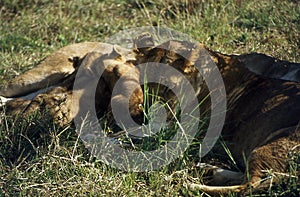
[{"x": 41, "y": 159}]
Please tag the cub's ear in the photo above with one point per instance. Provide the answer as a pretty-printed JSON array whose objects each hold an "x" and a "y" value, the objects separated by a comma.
[
  {"x": 143, "y": 43},
  {"x": 116, "y": 52},
  {"x": 76, "y": 60},
  {"x": 194, "y": 55}
]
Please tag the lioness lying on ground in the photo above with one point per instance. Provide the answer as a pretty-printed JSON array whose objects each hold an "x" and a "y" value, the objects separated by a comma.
[
  {"x": 262, "y": 121},
  {"x": 263, "y": 118}
]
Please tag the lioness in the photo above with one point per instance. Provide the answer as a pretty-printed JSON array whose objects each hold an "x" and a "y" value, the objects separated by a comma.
[
  {"x": 262, "y": 121},
  {"x": 263, "y": 117}
]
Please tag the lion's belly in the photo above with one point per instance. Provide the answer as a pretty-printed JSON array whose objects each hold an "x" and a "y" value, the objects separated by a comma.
[{"x": 260, "y": 114}]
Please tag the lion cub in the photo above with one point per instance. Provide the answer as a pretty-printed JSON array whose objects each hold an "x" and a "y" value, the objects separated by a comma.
[{"x": 49, "y": 86}]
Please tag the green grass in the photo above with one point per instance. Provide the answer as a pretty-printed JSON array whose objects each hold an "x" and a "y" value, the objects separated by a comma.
[{"x": 37, "y": 158}]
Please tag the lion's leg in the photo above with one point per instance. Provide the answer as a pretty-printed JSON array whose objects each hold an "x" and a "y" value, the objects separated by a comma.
[
  {"x": 52, "y": 70},
  {"x": 220, "y": 176},
  {"x": 266, "y": 162},
  {"x": 258, "y": 162},
  {"x": 57, "y": 102},
  {"x": 4, "y": 100},
  {"x": 271, "y": 159},
  {"x": 13, "y": 107}
]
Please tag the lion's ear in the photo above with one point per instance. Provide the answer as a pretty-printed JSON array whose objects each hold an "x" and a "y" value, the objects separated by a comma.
[
  {"x": 76, "y": 60},
  {"x": 143, "y": 43},
  {"x": 193, "y": 56},
  {"x": 116, "y": 52}
]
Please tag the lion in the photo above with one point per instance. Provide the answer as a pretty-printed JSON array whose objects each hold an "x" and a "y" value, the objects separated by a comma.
[
  {"x": 263, "y": 110},
  {"x": 49, "y": 86},
  {"x": 262, "y": 120}
]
